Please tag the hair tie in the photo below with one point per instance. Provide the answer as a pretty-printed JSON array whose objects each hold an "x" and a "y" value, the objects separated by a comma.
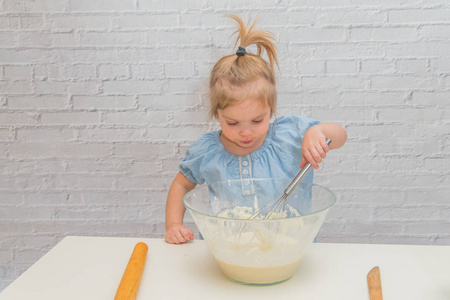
[{"x": 240, "y": 51}]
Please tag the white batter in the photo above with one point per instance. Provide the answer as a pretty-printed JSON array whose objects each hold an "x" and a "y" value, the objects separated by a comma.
[{"x": 256, "y": 251}]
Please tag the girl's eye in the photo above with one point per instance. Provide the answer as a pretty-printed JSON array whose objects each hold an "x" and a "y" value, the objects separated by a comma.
[
  {"x": 232, "y": 124},
  {"x": 257, "y": 121}
]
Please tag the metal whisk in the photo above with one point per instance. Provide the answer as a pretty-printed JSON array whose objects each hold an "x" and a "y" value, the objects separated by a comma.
[{"x": 277, "y": 206}]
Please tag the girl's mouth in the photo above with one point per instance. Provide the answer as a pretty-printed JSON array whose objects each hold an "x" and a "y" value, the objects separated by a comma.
[{"x": 246, "y": 142}]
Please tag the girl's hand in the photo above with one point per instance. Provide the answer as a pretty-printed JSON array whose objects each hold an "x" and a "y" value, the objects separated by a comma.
[
  {"x": 178, "y": 233},
  {"x": 314, "y": 147}
]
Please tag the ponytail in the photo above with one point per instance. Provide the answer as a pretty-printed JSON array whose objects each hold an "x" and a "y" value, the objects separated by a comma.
[
  {"x": 239, "y": 69},
  {"x": 264, "y": 40}
]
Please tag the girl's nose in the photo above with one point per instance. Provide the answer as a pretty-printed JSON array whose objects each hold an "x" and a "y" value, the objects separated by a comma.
[{"x": 245, "y": 130}]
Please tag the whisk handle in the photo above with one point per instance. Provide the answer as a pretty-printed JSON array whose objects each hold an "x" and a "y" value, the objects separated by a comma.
[
  {"x": 300, "y": 176},
  {"x": 297, "y": 179}
]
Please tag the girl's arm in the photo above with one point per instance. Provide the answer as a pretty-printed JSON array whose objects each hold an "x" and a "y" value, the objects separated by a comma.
[
  {"x": 176, "y": 232},
  {"x": 314, "y": 144}
]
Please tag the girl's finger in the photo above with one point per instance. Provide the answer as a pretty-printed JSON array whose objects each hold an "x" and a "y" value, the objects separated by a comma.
[
  {"x": 303, "y": 162},
  {"x": 172, "y": 240},
  {"x": 186, "y": 235},
  {"x": 316, "y": 156},
  {"x": 174, "y": 237},
  {"x": 321, "y": 151},
  {"x": 324, "y": 145},
  {"x": 311, "y": 159},
  {"x": 180, "y": 238}
]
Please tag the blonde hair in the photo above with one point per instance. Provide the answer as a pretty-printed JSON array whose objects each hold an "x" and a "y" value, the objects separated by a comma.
[{"x": 248, "y": 70}]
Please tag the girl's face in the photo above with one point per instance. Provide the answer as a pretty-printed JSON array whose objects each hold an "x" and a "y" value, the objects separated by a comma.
[{"x": 244, "y": 126}]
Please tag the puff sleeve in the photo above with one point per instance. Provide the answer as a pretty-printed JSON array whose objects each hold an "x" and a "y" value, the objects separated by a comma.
[{"x": 197, "y": 156}]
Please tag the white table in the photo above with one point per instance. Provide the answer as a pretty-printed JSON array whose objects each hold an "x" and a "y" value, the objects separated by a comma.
[{"x": 91, "y": 268}]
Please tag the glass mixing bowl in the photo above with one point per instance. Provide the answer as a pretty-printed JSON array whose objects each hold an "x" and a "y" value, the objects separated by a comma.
[{"x": 258, "y": 251}]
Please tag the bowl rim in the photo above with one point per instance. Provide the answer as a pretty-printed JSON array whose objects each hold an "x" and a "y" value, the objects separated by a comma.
[{"x": 333, "y": 201}]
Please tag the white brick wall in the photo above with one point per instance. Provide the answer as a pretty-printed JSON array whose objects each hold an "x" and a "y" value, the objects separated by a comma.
[{"x": 100, "y": 99}]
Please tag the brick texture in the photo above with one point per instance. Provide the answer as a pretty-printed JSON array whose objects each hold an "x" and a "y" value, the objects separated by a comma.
[{"x": 100, "y": 99}]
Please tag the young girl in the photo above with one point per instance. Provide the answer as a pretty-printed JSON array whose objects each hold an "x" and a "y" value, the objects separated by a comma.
[{"x": 243, "y": 99}]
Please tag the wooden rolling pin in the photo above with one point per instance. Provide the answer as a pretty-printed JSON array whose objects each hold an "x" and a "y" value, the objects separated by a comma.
[
  {"x": 129, "y": 284},
  {"x": 374, "y": 283}
]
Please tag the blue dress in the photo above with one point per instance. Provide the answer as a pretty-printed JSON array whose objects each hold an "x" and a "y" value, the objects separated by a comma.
[{"x": 206, "y": 160}]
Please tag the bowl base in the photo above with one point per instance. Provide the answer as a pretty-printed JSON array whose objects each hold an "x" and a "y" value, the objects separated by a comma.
[
  {"x": 268, "y": 275},
  {"x": 258, "y": 284}
]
